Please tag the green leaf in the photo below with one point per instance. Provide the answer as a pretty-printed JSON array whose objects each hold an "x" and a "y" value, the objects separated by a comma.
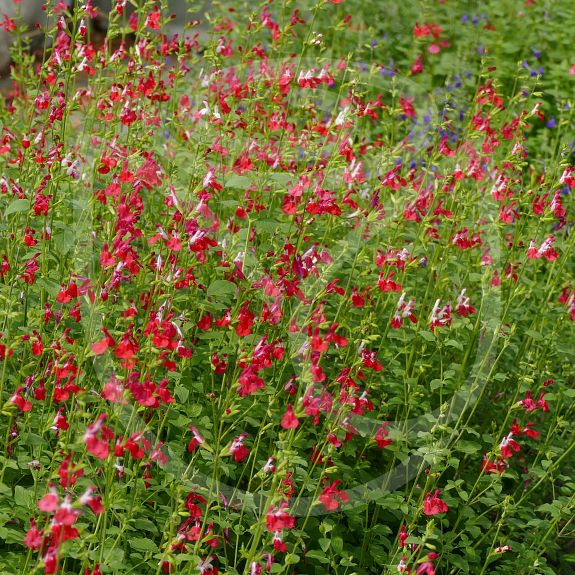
[
  {"x": 146, "y": 525},
  {"x": 459, "y": 562},
  {"x": 64, "y": 240},
  {"x": 453, "y": 343},
  {"x": 49, "y": 285},
  {"x": 23, "y": 497},
  {"x": 143, "y": 544},
  {"x": 182, "y": 393},
  {"x": 115, "y": 558},
  {"x": 534, "y": 335},
  {"x": 17, "y": 206},
  {"x": 318, "y": 555},
  {"x": 281, "y": 177},
  {"x": 33, "y": 439},
  {"x": 435, "y": 384},
  {"x": 468, "y": 447},
  {"x": 291, "y": 559},
  {"x": 221, "y": 288},
  {"x": 427, "y": 335},
  {"x": 324, "y": 543},
  {"x": 237, "y": 181},
  {"x": 337, "y": 544}
]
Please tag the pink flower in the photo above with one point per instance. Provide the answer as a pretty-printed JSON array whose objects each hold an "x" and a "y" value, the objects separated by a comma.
[
  {"x": 427, "y": 567},
  {"x": 403, "y": 311},
  {"x": 66, "y": 514},
  {"x": 114, "y": 391},
  {"x": 93, "y": 502},
  {"x": 49, "y": 502},
  {"x": 464, "y": 307},
  {"x": 289, "y": 420},
  {"x": 440, "y": 317},
  {"x": 544, "y": 251},
  {"x": 153, "y": 19},
  {"x": 528, "y": 403},
  {"x": 18, "y": 400},
  {"x": 432, "y": 505},
  {"x": 33, "y": 538}
]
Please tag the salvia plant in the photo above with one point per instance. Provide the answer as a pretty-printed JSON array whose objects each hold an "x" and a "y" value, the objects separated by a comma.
[{"x": 289, "y": 291}]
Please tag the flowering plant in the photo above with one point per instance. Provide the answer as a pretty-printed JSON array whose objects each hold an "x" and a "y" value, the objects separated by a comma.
[{"x": 295, "y": 296}]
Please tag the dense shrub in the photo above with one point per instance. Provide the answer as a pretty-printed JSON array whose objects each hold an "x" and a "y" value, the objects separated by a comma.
[{"x": 294, "y": 298}]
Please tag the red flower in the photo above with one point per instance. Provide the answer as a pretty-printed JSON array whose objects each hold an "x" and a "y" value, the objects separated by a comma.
[
  {"x": 205, "y": 322},
  {"x": 407, "y": 107},
  {"x": 440, "y": 316},
  {"x": 508, "y": 445},
  {"x": 330, "y": 495},
  {"x": 249, "y": 382},
  {"x": 369, "y": 360},
  {"x": 427, "y": 567},
  {"x": 67, "y": 294},
  {"x": 387, "y": 284},
  {"x": 101, "y": 346},
  {"x": 381, "y": 436},
  {"x": 127, "y": 347},
  {"x": 403, "y": 535},
  {"x": 278, "y": 519},
  {"x": 196, "y": 440},
  {"x": 49, "y": 502},
  {"x": 492, "y": 467},
  {"x": 19, "y": 401},
  {"x": 33, "y": 538},
  {"x": 464, "y": 307},
  {"x": 96, "y": 438},
  {"x": 93, "y": 502},
  {"x": 417, "y": 66},
  {"x": 245, "y": 321},
  {"x": 136, "y": 445},
  {"x": 193, "y": 507},
  {"x": 426, "y": 29},
  {"x": 66, "y": 515},
  {"x": 432, "y": 505},
  {"x": 545, "y": 250},
  {"x": 278, "y": 543},
  {"x": 289, "y": 420},
  {"x": 238, "y": 449},
  {"x": 50, "y": 560}
]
